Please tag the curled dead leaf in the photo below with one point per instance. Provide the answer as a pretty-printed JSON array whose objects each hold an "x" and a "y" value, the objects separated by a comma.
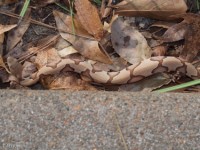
[
  {"x": 158, "y": 9},
  {"x": 89, "y": 18},
  {"x": 89, "y": 48},
  {"x": 66, "y": 81},
  {"x": 15, "y": 35}
]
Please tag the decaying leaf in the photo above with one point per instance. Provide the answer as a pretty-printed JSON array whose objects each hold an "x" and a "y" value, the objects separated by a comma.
[
  {"x": 192, "y": 36},
  {"x": 66, "y": 24},
  {"x": 105, "y": 11},
  {"x": 66, "y": 80},
  {"x": 4, "y": 28},
  {"x": 89, "y": 48},
  {"x": 26, "y": 51},
  {"x": 128, "y": 42},
  {"x": 189, "y": 29},
  {"x": 158, "y": 9},
  {"x": 89, "y": 18},
  {"x": 15, "y": 67},
  {"x": 15, "y": 35}
]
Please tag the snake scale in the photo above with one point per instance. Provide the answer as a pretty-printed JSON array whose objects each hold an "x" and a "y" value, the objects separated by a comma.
[{"x": 129, "y": 74}]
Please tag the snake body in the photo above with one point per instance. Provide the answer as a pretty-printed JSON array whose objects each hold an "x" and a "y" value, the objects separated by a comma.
[{"x": 129, "y": 74}]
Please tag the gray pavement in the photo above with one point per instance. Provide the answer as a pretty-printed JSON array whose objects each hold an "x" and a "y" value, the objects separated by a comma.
[{"x": 61, "y": 120}]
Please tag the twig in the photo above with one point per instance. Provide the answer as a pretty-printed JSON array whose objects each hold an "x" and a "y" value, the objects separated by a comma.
[
  {"x": 42, "y": 24},
  {"x": 120, "y": 132},
  {"x": 32, "y": 20}
]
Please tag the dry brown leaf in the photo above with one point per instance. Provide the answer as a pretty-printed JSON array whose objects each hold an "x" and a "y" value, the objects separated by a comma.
[
  {"x": 89, "y": 48},
  {"x": 1, "y": 38},
  {"x": 175, "y": 33},
  {"x": 192, "y": 36},
  {"x": 15, "y": 35},
  {"x": 28, "y": 50},
  {"x": 15, "y": 67},
  {"x": 128, "y": 42},
  {"x": 64, "y": 48},
  {"x": 188, "y": 29},
  {"x": 89, "y": 18},
  {"x": 5, "y": 28},
  {"x": 66, "y": 81},
  {"x": 158, "y": 9},
  {"x": 163, "y": 24},
  {"x": 66, "y": 24},
  {"x": 105, "y": 11},
  {"x": 2, "y": 64}
]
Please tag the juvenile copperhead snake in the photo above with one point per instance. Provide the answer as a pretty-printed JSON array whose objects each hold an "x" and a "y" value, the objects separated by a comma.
[{"x": 129, "y": 74}]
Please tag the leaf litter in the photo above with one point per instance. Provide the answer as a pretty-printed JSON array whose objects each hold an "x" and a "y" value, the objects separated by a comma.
[{"x": 106, "y": 41}]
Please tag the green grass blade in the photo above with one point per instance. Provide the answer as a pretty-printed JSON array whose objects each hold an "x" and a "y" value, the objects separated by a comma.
[
  {"x": 98, "y": 2},
  {"x": 24, "y": 9},
  {"x": 63, "y": 7},
  {"x": 184, "y": 85},
  {"x": 72, "y": 15}
]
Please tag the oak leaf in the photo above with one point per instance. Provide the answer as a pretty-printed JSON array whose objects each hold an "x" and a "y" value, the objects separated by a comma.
[{"x": 89, "y": 18}]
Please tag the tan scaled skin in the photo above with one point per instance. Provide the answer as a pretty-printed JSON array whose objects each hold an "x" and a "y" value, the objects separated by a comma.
[{"x": 129, "y": 74}]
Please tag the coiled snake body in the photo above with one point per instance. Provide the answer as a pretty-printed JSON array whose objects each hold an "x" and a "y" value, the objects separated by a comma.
[{"x": 129, "y": 74}]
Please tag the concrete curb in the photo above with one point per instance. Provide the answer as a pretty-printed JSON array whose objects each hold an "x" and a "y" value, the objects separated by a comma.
[{"x": 64, "y": 120}]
